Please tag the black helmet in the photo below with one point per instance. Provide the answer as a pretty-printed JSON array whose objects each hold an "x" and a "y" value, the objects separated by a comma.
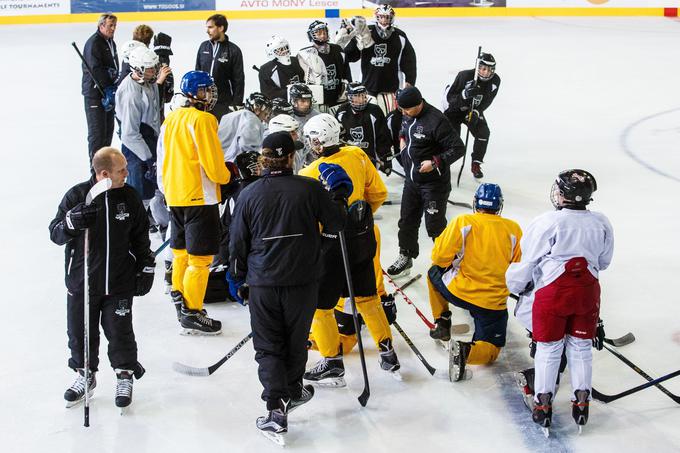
[
  {"x": 300, "y": 91},
  {"x": 258, "y": 100},
  {"x": 355, "y": 89},
  {"x": 314, "y": 28},
  {"x": 488, "y": 60},
  {"x": 281, "y": 107},
  {"x": 575, "y": 188},
  {"x": 247, "y": 164}
]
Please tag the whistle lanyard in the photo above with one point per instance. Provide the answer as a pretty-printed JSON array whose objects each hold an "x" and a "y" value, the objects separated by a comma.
[
  {"x": 215, "y": 50},
  {"x": 113, "y": 54}
]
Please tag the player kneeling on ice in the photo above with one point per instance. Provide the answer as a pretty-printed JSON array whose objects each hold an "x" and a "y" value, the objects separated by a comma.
[
  {"x": 121, "y": 266},
  {"x": 369, "y": 192},
  {"x": 275, "y": 256},
  {"x": 566, "y": 249},
  {"x": 469, "y": 261}
]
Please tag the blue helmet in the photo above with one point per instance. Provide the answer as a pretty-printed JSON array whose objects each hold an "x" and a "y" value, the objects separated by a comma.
[
  {"x": 193, "y": 81},
  {"x": 489, "y": 197}
]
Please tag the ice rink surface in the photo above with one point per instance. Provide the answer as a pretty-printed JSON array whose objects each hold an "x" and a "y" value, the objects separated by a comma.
[{"x": 596, "y": 93}]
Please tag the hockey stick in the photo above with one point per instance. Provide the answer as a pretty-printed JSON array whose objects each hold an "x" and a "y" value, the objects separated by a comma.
[
  {"x": 635, "y": 368},
  {"x": 194, "y": 371},
  {"x": 453, "y": 203},
  {"x": 96, "y": 190},
  {"x": 256, "y": 68},
  {"x": 654, "y": 382},
  {"x": 415, "y": 350},
  {"x": 469, "y": 116},
  {"x": 161, "y": 247},
  {"x": 363, "y": 398},
  {"x": 427, "y": 322},
  {"x": 89, "y": 70}
]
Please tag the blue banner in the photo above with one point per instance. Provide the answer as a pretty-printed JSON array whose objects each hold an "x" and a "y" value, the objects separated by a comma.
[{"x": 129, "y": 6}]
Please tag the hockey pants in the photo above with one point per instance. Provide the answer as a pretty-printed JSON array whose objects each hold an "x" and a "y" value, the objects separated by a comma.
[
  {"x": 416, "y": 200},
  {"x": 479, "y": 130}
]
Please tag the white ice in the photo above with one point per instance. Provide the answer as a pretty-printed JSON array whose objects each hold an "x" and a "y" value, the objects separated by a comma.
[{"x": 597, "y": 93}]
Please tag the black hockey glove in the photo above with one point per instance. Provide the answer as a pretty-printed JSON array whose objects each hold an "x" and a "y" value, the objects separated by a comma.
[
  {"x": 471, "y": 89},
  {"x": 144, "y": 280},
  {"x": 150, "y": 173},
  {"x": 598, "y": 341},
  {"x": 244, "y": 292},
  {"x": 81, "y": 216}
]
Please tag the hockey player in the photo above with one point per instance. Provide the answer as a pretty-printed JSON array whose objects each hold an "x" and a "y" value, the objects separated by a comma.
[
  {"x": 364, "y": 125},
  {"x": 223, "y": 60},
  {"x": 280, "y": 71},
  {"x": 242, "y": 131},
  {"x": 121, "y": 266},
  {"x": 301, "y": 99},
  {"x": 465, "y": 93},
  {"x": 429, "y": 145},
  {"x": 191, "y": 169},
  {"x": 563, "y": 252},
  {"x": 101, "y": 55},
  {"x": 279, "y": 257},
  {"x": 323, "y": 135},
  {"x": 138, "y": 113},
  {"x": 333, "y": 57},
  {"x": 384, "y": 51},
  {"x": 280, "y": 106},
  {"x": 469, "y": 260}
]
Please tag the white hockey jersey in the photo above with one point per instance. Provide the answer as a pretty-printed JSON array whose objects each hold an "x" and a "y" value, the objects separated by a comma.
[
  {"x": 240, "y": 131},
  {"x": 136, "y": 104},
  {"x": 549, "y": 242}
]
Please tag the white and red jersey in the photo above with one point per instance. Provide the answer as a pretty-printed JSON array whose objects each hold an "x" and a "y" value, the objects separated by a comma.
[{"x": 554, "y": 238}]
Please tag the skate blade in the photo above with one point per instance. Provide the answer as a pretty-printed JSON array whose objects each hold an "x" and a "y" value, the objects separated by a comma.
[
  {"x": 580, "y": 429},
  {"x": 442, "y": 344},
  {"x": 198, "y": 333},
  {"x": 460, "y": 329},
  {"x": 396, "y": 375},
  {"x": 330, "y": 382},
  {"x": 124, "y": 410},
  {"x": 404, "y": 273},
  {"x": 546, "y": 431},
  {"x": 277, "y": 438},
  {"x": 70, "y": 404}
]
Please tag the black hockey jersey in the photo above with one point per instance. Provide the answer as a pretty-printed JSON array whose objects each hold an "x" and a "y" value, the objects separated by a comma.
[
  {"x": 366, "y": 129},
  {"x": 382, "y": 62},
  {"x": 337, "y": 70},
  {"x": 454, "y": 95},
  {"x": 275, "y": 77}
]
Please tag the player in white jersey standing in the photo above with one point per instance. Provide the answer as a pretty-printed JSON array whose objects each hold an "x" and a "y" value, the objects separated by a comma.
[{"x": 562, "y": 254}]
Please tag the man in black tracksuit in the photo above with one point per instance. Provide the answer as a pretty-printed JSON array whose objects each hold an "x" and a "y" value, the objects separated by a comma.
[
  {"x": 429, "y": 146},
  {"x": 463, "y": 94},
  {"x": 275, "y": 246},
  {"x": 121, "y": 265},
  {"x": 101, "y": 55},
  {"x": 223, "y": 60},
  {"x": 365, "y": 126}
]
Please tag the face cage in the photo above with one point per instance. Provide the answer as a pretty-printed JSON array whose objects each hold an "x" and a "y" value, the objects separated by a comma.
[
  {"x": 210, "y": 98},
  {"x": 358, "y": 106},
  {"x": 283, "y": 54},
  {"x": 253, "y": 168},
  {"x": 315, "y": 34},
  {"x": 140, "y": 73},
  {"x": 314, "y": 144},
  {"x": 555, "y": 196},
  {"x": 493, "y": 71},
  {"x": 379, "y": 15}
]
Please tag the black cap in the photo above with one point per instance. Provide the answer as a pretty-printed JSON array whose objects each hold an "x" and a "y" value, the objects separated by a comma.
[
  {"x": 280, "y": 143},
  {"x": 409, "y": 97},
  {"x": 161, "y": 44}
]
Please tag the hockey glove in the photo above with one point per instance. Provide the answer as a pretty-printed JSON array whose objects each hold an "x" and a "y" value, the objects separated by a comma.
[
  {"x": 336, "y": 180},
  {"x": 144, "y": 280},
  {"x": 235, "y": 286},
  {"x": 385, "y": 166},
  {"x": 473, "y": 118},
  {"x": 598, "y": 341},
  {"x": 150, "y": 173},
  {"x": 471, "y": 89},
  {"x": 81, "y": 216},
  {"x": 109, "y": 99},
  {"x": 234, "y": 173}
]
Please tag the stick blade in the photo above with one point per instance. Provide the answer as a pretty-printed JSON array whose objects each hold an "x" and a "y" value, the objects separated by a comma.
[
  {"x": 189, "y": 370},
  {"x": 363, "y": 398},
  {"x": 99, "y": 188},
  {"x": 622, "y": 341},
  {"x": 601, "y": 397}
]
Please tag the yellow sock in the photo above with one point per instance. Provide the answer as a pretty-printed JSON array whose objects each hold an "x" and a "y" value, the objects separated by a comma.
[
  {"x": 437, "y": 302},
  {"x": 483, "y": 353},
  {"x": 179, "y": 267},
  {"x": 196, "y": 280},
  {"x": 325, "y": 333},
  {"x": 377, "y": 267},
  {"x": 374, "y": 317}
]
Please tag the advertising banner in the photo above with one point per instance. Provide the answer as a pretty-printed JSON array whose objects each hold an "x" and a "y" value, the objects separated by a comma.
[
  {"x": 232, "y": 5},
  {"x": 32, "y": 7},
  {"x": 593, "y": 3},
  {"x": 119, "y": 6}
]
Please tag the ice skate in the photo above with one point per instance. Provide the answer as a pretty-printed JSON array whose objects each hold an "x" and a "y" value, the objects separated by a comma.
[
  {"x": 306, "y": 395},
  {"x": 525, "y": 381},
  {"x": 476, "y": 170},
  {"x": 542, "y": 413},
  {"x": 168, "y": 277},
  {"x": 388, "y": 359},
  {"x": 328, "y": 372},
  {"x": 196, "y": 322},
  {"x": 76, "y": 393},
  {"x": 579, "y": 408},
  {"x": 401, "y": 267},
  {"x": 458, "y": 353},
  {"x": 178, "y": 301},
  {"x": 273, "y": 426},
  {"x": 123, "y": 389}
]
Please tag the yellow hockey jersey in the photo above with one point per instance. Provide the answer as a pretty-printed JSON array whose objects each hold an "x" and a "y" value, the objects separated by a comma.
[
  {"x": 477, "y": 249},
  {"x": 190, "y": 161},
  {"x": 365, "y": 178}
]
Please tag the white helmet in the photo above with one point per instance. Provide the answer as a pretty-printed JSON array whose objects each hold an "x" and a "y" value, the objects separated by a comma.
[
  {"x": 283, "y": 123},
  {"x": 141, "y": 59},
  {"x": 127, "y": 47},
  {"x": 322, "y": 131},
  {"x": 277, "y": 47}
]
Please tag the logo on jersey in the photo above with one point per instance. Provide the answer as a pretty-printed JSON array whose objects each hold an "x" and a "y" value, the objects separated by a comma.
[
  {"x": 419, "y": 133},
  {"x": 357, "y": 137},
  {"x": 224, "y": 58},
  {"x": 380, "y": 58},
  {"x": 294, "y": 79},
  {"x": 121, "y": 214},
  {"x": 332, "y": 77},
  {"x": 432, "y": 208},
  {"x": 123, "y": 307}
]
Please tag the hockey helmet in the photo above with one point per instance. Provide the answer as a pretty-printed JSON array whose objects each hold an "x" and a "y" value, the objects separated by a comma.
[
  {"x": 357, "y": 95},
  {"x": 487, "y": 60},
  {"x": 488, "y": 197},
  {"x": 322, "y": 131},
  {"x": 300, "y": 92},
  {"x": 314, "y": 32},
  {"x": 278, "y": 47},
  {"x": 573, "y": 188},
  {"x": 200, "y": 87}
]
